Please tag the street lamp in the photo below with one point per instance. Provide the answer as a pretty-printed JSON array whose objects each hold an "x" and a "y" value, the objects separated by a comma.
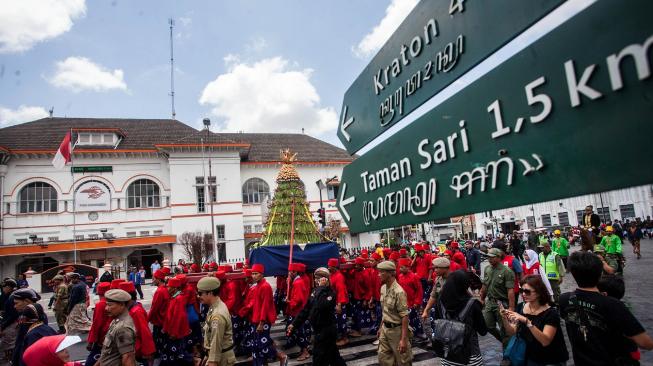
[{"x": 320, "y": 187}]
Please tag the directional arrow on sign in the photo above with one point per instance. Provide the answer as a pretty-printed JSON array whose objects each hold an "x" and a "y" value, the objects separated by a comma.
[
  {"x": 342, "y": 202},
  {"x": 344, "y": 123}
]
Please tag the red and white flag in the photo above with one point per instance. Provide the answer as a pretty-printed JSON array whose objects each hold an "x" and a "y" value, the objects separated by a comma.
[{"x": 63, "y": 155}]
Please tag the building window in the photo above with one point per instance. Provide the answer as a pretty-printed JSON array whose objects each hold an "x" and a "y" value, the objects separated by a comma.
[
  {"x": 332, "y": 191},
  {"x": 248, "y": 229},
  {"x": 627, "y": 211},
  {"x": 37, "y": 197},
  {"x": 530, "y": 222},
  {"x": 255, "y": 190},
  {"x": 221, "y": 242},
  {"x": 604, "y": 213},
  {"x": 258, "y": 228},
  {"x": 96, "y": 138},
  {"x": 563, "y": 218},
  {"x": 546, "y": 220},
  {"x": 143, "y": 193},
  {"x": 200, "y": 192},
  {"x": 579, "y": 216}
]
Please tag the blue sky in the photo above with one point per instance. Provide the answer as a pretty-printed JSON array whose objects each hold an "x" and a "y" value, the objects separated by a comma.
[{"x": 256, "y": 66}]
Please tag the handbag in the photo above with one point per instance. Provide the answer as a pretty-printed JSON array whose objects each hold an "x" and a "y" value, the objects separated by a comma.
[{"x": 516, "y": 350}]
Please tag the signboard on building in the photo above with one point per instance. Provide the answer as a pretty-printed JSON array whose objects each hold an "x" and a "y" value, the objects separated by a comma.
[
  {"x": 92, "y": 169},
  {"x": 547, "y": 123},
  {"x": 437, "y": 43},
  {"x": 92, "y": 196}
]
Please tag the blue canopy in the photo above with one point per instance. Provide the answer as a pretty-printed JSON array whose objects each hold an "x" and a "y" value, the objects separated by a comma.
[{"x": 275, "y": 258}]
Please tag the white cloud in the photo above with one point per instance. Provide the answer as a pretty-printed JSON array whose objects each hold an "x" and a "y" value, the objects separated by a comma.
[
  {"x": 256, "y": 44},
  {"x": 80, "y": 73},
  {"x": 24, "y": 113},
  {"x": 395, "y": 13},
  {"x": 267, "y": 96},
  {"x": 23, "y": 23},
  {"x": 185, "y": 21}
]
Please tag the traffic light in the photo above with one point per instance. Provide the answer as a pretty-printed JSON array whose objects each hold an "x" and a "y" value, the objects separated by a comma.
[{"x": 321, "y": 212}]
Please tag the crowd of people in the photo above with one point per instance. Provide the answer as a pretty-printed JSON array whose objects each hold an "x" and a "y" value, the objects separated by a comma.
[{"x": 421, "y": 292}]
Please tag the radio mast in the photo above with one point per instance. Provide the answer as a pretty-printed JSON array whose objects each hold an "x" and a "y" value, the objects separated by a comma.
[{"x": 171, "y": 22}]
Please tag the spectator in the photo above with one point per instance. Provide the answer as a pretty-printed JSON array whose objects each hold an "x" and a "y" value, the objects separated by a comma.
[
  {"x": 51, "y": 351},
  {"x": 596, "y": 323},
  {"x": 22, "y": 281},
  {"x": 33, "y": 317},
  {"x": 137, "y": 279},
  {"x": 155, "y": 266},
  {"x": 538, "y": 324},
  {"x": 453, "y": 299},
  {"x": 473, "y": 257}
]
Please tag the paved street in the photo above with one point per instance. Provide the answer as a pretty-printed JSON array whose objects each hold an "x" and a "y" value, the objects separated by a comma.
[{"x": 360, "y": 351}]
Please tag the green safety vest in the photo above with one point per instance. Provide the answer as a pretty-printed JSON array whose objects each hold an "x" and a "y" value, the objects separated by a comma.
[{"x": 550, "y": 266}]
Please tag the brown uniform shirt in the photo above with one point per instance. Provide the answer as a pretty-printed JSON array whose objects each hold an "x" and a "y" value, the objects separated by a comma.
[
  {"x": 120, "y": 339},
  {"x": 394, "y": 303}
]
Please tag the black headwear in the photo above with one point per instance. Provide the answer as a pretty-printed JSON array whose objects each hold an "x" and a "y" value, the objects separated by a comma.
[
  {"x": 26, "y": 294},
  {"x": 455, "y": 292}
]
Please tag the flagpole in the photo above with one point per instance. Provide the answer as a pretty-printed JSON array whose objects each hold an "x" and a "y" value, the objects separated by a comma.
[{"x": 72, "y": 175}]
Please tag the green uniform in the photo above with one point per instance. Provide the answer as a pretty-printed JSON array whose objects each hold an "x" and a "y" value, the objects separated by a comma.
[
  {"x": 437, "y": 287},
  {"x": 560, "y": 246},
  {"x": 218, "y": 335},
  {"x": 61, "y": 304},
  {"x": 612, "y": 244},
  {"x": 120, "y": 340},
  {"x": 395, "y": 308},
  {"x": 543, "y": 240},
  {"x": 497, "y": 281}
]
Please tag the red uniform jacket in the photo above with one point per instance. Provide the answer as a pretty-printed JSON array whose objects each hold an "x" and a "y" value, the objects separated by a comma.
[
  {"x": 297, "y": 298},
  {"x": 159, "y": 307},
  {"x": 100, "y": 324},
  {"x": 361, "y": 285},
  {"x": 375, "y": 284},
  {"x": 421, "y": 266},
  {"x": 507, "y": 261},
  {"x": 231, "y": 296},
  {"x": 264, "y": 310},
  {"x": 144, "y": 341},
  {"x": 413, "y": 288},
  {"x": 339, "y": 287},
  {"x": 246, "y": 310},
  {"x": 176, "y": 323},
  {"x": 308, "y": 280},
  {"x": 282, "y": 284}
]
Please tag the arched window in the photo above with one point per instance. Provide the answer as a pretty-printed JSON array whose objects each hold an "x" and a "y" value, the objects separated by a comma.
[
  {"x": 255, "y": 190},
  {"x": 143, "y": 193},
  {"x": 37, "y": 197}
]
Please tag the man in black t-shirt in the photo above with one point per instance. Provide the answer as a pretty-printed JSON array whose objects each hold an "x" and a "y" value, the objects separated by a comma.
[{"x": 594, "y": 321}]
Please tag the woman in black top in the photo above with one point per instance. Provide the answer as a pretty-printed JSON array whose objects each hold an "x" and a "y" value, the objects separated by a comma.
[
  {"x": 538, "y": 324},
  {"x": 453, "y": 298}
]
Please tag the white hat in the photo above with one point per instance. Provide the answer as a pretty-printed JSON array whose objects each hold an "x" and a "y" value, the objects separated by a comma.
[{"x": 67, "y": 342}]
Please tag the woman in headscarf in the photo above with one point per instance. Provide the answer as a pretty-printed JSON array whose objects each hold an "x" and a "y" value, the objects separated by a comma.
[
  {"x": 454, "y": 298},
  {"x": 531, "y": 266},
  {"x": 51, "y": 351},
  {"x": 32, "y": 319}
]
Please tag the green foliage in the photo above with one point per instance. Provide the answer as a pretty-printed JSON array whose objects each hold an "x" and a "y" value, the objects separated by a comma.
[{"x": 279, "y": 222}]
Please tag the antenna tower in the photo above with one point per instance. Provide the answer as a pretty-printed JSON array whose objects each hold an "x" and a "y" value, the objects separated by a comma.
[{"x": 171, "y": 22}]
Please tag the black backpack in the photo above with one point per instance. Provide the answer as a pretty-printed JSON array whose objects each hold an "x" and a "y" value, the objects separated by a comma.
[{"x": 451, "y": 337}]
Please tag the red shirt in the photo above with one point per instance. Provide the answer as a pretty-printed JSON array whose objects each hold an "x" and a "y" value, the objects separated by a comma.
[
  {"x": 375, "y": 283},
  {"x": 230, "y": 295},
  {"x": 361, "y": 285},
  {"x": 413, "y": 288},
  {"x": 535, "y": 270},
  {"x": 507, "y": 261},
  {"x": 176, "y": 323},
  {"x": 144, "y": 341},
  {"x": 245, "y": 310},
  {"x": 159, "y": 307},
  {"x": 297, "y": 298},
  {"x": 421, "y": 266},
  {"x": 100, "y": 323},
  {"x": 339, "y": 287},
  {"x": 453, "y": 266},
  {"x": 264, "y": 310}
]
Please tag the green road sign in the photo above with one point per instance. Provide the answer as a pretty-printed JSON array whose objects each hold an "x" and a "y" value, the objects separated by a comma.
[
  {"x": 437, "y": 43},
  {"x": 569, "y": 115}
]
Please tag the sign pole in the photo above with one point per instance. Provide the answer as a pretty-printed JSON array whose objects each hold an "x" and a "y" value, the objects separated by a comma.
[{"x": 72, "y": 175}]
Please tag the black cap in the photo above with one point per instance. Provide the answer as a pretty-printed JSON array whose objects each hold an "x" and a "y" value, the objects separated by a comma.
[{"x": 26, "y": 294}]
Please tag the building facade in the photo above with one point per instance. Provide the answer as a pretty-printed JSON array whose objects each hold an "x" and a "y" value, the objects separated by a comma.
[
  {"x": 136, "y": 186},
  {"x": 621, "y": 204}
]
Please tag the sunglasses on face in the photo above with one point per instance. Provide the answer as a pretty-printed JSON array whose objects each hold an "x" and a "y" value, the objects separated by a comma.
[{"x": 525, "y": 291}]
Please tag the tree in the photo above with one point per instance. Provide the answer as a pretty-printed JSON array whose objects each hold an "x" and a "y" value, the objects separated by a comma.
[
  {"x": 197, "y": 246},
  {"x": 289, "y": 197}
]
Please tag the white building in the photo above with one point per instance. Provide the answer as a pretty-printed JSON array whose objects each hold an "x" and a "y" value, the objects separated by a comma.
[
  {"x": 140, "y": 184},
  {"x": 621, "y": 204}
]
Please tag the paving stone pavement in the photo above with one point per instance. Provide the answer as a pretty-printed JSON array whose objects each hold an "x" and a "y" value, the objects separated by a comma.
[{"x": 361, "y": 351}]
